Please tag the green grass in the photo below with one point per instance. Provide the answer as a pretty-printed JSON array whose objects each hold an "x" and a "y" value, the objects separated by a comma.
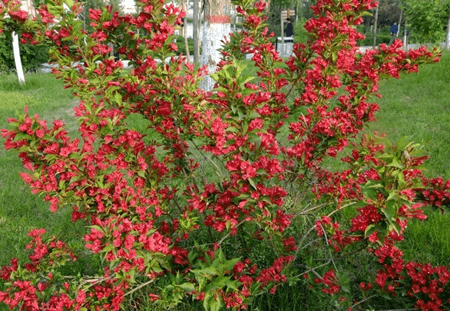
[
  {"x": 417, "y": 106},
  {"x": 21, "y": 211}
]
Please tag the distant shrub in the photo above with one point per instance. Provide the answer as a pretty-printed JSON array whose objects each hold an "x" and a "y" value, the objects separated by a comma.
[
  {"x": 369, "y": 40},
  {"x": 300, "y": 33},
  {"x": 181, "y": 44},
  {"x": 32, "y": 56}
]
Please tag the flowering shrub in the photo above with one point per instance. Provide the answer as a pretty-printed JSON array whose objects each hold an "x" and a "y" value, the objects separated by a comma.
[{"x": 218, "y": 195}]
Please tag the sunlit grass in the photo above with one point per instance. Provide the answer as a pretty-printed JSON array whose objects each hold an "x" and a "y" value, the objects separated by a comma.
[
  {"x": 417, "y": 106},
  {"x": 21, "y": 211}
]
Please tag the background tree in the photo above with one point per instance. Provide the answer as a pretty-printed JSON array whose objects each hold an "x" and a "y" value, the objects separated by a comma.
[
  {"x": 276, "y": 6},
  {"x": 31, "y": 56},
  {"x": 447, "y": 37},
  {"x": 427, "y": 20},
  {"x": 215, "y": 27},
  {"x": 389, "y": 12},
  {"x": 375, "y": 26},
  {"x": 195, "y": 35},
  {"x": 95, "y": 5},
  {"x": 17, "y": 60}
]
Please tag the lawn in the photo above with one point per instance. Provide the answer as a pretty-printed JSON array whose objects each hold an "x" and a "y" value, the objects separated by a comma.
[
  {"x": 21, "y": 211},
  {"x": 417, "y": 106}
]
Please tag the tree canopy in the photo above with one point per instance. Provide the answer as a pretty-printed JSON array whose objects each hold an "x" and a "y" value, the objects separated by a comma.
[{"x": 427, "y": 20}]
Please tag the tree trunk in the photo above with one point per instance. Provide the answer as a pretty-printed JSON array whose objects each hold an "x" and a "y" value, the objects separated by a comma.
[
  {"x": 298, "y": 10},
  {"x": 215, "y": 28},
  {"x": 184, "y": 7},
  {"x": 234, "y": 15},
  {"x": 375, "y": 27},
  {"x": 17, "y": 59},
  {"x": 195, "y": 26},
  {"x": 405, "y": 37},
  {"x": 400, "y": 24}
]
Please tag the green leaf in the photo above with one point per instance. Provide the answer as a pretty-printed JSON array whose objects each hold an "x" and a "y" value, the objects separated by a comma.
[
  {"x": 118, "y": 98},
  {"x": 55, "y": 10},
  {"x": 390, "y": 211},
  {"x": 232, "y": 129},
  {"x": 155, "y": 267},
  {"x": 334, "y": 57},
  {"x": 231, "y": 263},
  {"x": 392, "y": 195},
  {"x": 254, "y": 115},
  {"x": 369, "y": 192},
  {"x": 252, "y": 182},
  {"x": 230, "y": 142},
  {"x": 215, "y": 76},
  {"x": 187, "y": 287},
  {"x": 245, "y": 127},
  {"x": 217, "y": 283},
  {"x": 232, "y": 284},
  {"x": 369, "y": 230},
  {"x": 395, "y": 163},
  {"x": 208, "y": 271},
  {"x": 214, "y": 305},
  {"x": 21, "y": 135},
  {"x": 395, "y": 226},
  {"x": 69, "y": 3}
]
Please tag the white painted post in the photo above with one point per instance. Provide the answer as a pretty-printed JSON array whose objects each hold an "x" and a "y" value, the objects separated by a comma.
[
  {"x": 447, "y": 37},
  {"x": 282, "y": 37},
  {"x": 405, "y": 40},
  {"x": 405, "y": 37},
  {"x": 216, "y": 27},
  {"x": 17, "y": 59},
  {"x": 375, "y": 27}
]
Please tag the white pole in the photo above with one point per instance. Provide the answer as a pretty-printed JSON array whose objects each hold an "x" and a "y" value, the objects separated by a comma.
[
  {"x": 17, "y": 60},
  {"x": 405, "y": 43},
  {"x": 375, "y": 27},
  {"x": 282, "y": 36},
  {"x": 447, "y": 39},
  {"x": 405, "y": 37}
]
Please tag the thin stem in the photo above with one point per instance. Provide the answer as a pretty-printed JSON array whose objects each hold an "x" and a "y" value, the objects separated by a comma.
[
  {"x": 228, "y": 234},
  {"x": 208, "y": 159},
  {"x": 94, "y": 281},
  {"x": 304, "y": 212},
  {"x": 138, "y": 287},
  {"x": 325, "y": 204},
  {"x": 313, "y": 270},
  {"x": 363, "y": 301},
  {"x": 329, "y": 251},
  {"x": 304, "y": 237},
  {"x": 178, "y": 206},
  {"x": 309, "y": 243}
]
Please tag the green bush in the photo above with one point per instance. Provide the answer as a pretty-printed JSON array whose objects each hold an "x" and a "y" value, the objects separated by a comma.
[
  {"x": 181, "y": 43},
  {"x": 381, "y": 38},
  {"x": 32, "y": 56},
  {"x": 427, "y": 21},
  {"x": 300, "y": 33}
]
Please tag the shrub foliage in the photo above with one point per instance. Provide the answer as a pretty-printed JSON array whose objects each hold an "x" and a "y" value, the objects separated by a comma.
[
  {"x": 32, "y": 56},
  {"x": 223, "y": 195}
]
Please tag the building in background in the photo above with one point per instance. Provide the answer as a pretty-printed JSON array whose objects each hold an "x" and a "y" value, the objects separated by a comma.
[
  {"x": 128, "y": 6},
  {"x": 27, "y": 5}
]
